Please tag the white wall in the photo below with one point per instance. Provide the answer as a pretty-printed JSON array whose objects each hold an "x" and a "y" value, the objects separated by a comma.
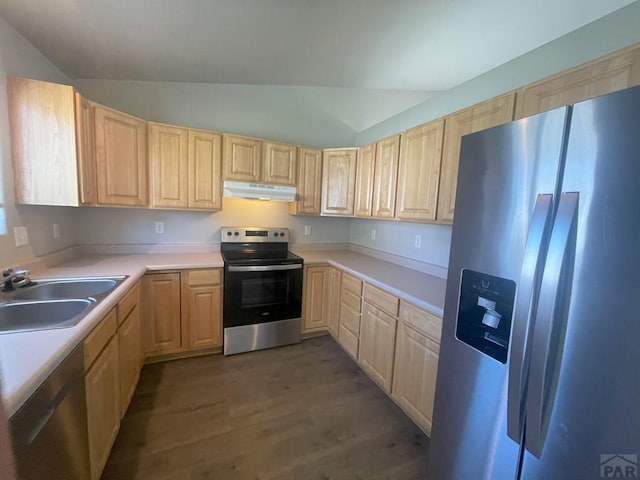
[
  {"x": 18, "y": 57},
  {"x": 126, "y": 226}
]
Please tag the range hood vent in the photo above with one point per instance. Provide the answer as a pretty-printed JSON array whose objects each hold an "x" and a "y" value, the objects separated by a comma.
[{"x": 282, "y": 193}]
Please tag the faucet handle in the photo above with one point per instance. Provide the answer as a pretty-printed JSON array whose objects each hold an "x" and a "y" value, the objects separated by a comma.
[
  {"x": 22, "y": 272},
  {"x": 7, "y": 272}
]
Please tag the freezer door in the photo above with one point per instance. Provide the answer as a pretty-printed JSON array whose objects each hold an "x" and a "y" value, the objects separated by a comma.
[
  {"x": 583, "y": 419},
  {"x": 505, "y": 174}
]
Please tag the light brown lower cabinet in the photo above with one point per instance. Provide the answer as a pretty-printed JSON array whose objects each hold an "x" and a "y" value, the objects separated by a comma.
[
  {"x": 182, "y": 311},
  {"x": 350, "y": 313},
  {"x": 333, "y": 301},
  {"x": 102, "y": 387},
  {"x": 130, "y": 355},
  {"x": 377, "y": 345},
  {"x": 314, "y": 314}
]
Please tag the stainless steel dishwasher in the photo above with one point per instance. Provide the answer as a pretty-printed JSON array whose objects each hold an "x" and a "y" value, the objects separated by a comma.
[{"x": 49, "y": 431}]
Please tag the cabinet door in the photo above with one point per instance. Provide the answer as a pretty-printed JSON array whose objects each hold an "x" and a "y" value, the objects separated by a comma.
[
  {"x": 161, "y": 313},
  {"x": 205, "y": 170},
  {"x": 43, "y": 142},
  {"x": 309, "y": 188},
  {"x": 385, "y": 177},
  {"x": 333, "y": 301},
  {"x": 241, "y": 157},
  {"x": 121, "y": 158},
  {"x": 202, "y": 310},
  {"x": 280, "y": 163},
  {"x": 377, "y": 345},
  {"x": 315, "y": 298},
  {"x": 419, "y": 172},
  {"x": 479, "y": 117},
  {"x": 130, "y": 347},
  {"x": 364, "y": 180},
  {"x": 168, "y": 162},
  {"x": 608, "y": 74},
  {"x": 416, "y": 368},
  {"x": 338, "y": 181},
  {"x": 102, "y": 388},
  {"x": 85, "y": 150}
]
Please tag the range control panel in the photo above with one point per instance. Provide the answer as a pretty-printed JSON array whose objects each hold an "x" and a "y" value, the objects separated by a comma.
[{"x": 254, "y": 235}]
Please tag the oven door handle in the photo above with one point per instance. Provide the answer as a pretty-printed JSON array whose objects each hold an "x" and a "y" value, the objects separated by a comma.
[{"x": 265, "y": 268}]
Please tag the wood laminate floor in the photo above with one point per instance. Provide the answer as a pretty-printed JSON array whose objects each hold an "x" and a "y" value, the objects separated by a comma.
[{"x": 301, "y": 412}]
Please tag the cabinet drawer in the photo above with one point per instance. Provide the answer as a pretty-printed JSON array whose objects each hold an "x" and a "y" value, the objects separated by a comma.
[
  {"x": 352, "y": 284},
  {"x": 424, "y": 322},
  {"x": 351, "y": 300},
  {"x": 128, "y": 303},
  {"x": 349, "y": 341},
  {"x": 99, "y": 337},
  {"x": 350, "y": 320},
  {"x": 381, "y": 299},
  {"x": 205, "y": 277}
]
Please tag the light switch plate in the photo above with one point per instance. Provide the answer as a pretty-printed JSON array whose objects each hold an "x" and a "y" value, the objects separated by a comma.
[
  {"x": 21, "y": 235},
  {"x": 418, "y": 241},
  {"x": 307, "y": 230}
]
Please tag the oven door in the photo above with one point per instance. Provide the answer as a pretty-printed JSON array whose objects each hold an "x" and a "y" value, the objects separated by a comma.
[{"x": 261, "y": 293}]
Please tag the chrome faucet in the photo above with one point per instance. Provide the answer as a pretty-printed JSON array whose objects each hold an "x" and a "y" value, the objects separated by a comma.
[{"x": 15, "y": 278}]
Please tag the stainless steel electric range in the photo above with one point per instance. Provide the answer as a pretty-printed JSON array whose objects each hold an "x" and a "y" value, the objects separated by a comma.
[{"x": 262, "y": 289}]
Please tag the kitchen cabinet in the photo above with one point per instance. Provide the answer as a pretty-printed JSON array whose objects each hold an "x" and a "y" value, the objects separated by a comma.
[
  {"x": 121, "y": 158},
  {"x": 241, "y": 158},
  {"x": 377, "y": 345},
  {"x": 51, "y": 129},
  {"x": 309, "y": 184},
  {"x": 338, "y": 181},
  {"x": 416, "y": 363},
  {"x": 333, "y": 301},
  {"x": 129, "y": 346},
  {"x": 350, "y": 313},
  {"x": 161, "y": 313},
  {"x": 182, "y": 312},
  {"x": 185, "y": 167},
  {"x": 202, "y": 308},
  {"x": 102, "y": 391},
  {"x": 205, "y": 170},
  {"x": 168, "y": 164},
  {"x": 419, "y": 172},
  {"x": 488, "y": 114},
  {"x": 314, "y": 317},
  {"x": 385, "y": 177},
  {"x": 364, "y": 180},
  {"x": 607, "y": 74},
  {"x": 279, "y": 163}
]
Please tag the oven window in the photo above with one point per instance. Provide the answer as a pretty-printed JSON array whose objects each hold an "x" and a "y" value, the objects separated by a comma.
[{"x": 261, "y": 292}]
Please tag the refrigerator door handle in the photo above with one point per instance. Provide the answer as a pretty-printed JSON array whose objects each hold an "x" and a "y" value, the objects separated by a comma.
[
  {"x": 548, "y": 337},
  {"x": 523, "y": 311}
]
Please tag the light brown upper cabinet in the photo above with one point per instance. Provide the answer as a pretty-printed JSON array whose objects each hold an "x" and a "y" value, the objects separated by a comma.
[
  {"x": 52, "y": 144},
  {"x": 364, "y": 180},
  {"x": 338, "y": 181},
  {"x": 488, "y": 114},
  {"x": 385, "y": 177},
  {"x": 309, "y": 186},
  {"x": 279, "y": 163},
  {"x": 185, "y": 167},
  {"x": 242, "y": 157},
  {"x": 168, "y": 164},
  {"x": 121, "y": 158},
  {"x": 608, "y": 74},
  {"x": 419, "y": 172}
]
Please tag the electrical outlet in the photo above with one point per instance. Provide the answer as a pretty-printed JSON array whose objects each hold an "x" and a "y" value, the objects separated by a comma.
[
  {"x": 307, "y": 230},
  {"x": 373, "y": 234},
  {"x": 21, "y": 235},
  {"x": 56, "y": 231},
  {"x": 159, "y": 227},
  {"x": 418, "y": 241}
]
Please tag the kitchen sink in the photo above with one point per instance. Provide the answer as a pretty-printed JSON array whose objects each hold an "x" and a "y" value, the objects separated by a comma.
[
  {"x": 57, "y": 289},
  {"x": 42, "y": 315}
]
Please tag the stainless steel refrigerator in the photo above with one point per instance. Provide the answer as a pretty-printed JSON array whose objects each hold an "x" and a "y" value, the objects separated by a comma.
[{"x": 539, "y": 369}]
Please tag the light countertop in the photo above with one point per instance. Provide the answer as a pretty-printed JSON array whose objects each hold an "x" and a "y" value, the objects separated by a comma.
[{"x": 28, "y": 358}]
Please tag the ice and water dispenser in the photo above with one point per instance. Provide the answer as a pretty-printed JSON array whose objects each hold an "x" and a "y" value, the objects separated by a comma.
[{"x": 485, "y": 310}]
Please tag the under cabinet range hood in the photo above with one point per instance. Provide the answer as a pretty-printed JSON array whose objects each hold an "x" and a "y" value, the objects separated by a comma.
[{"x": 282, "y": 193}]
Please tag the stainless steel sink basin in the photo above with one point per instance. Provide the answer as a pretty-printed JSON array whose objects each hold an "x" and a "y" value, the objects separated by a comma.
[
  {"x": 66, "y": 288},
  {"x": 42, "y": 315}
]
